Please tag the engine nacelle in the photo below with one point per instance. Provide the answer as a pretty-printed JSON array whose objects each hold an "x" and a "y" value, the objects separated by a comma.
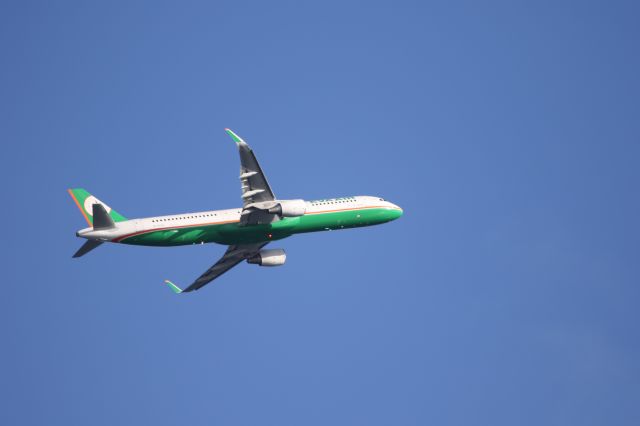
[
  {"x": 273, "y": 257},
  {"x": 289, "y": 208}
]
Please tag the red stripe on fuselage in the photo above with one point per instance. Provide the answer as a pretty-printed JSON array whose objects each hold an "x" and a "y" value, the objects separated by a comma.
[
  {"x": 117, "y": 240},
  {"x": 195, "y": 225}
]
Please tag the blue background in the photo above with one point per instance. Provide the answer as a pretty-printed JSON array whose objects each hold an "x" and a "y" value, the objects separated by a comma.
[{"x": 507, "y": 293}]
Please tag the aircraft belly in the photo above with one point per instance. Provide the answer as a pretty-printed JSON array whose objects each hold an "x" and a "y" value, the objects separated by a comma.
[
  {"x": 234, "y": 233},
  {"x": 344, "y": 219},
  {"x": 238, "y": 234},
  {"x": 154, "y": 238}
]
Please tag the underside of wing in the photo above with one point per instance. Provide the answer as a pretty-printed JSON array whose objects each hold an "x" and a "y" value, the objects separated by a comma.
[
  {"x": 234, "y": 255},
  {"x": 257, "y": 196}
]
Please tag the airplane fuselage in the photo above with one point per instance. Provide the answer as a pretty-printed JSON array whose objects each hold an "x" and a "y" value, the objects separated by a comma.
[
  {"x": 245, "y": 231},
  {"x": 224, "y": 227}
]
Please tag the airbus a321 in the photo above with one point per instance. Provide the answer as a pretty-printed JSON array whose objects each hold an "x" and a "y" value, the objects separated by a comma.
[{"x": 263, "y": 218}]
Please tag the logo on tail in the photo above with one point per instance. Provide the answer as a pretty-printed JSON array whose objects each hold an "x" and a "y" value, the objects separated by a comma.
[
  {"x": 85, "y": 202},
  {"x": 90, "y": 201}
]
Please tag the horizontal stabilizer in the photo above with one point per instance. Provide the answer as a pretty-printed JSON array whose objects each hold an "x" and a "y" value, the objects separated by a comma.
[
  {"x": 87, "y": 247},
  {"x": 101, "y": 219}
]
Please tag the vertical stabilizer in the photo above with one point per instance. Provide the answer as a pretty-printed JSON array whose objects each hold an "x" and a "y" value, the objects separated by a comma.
[{"x": 85, "y": 203}]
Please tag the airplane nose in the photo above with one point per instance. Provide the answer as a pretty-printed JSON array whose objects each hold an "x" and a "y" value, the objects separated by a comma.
[{"x": 397, "y": 212}]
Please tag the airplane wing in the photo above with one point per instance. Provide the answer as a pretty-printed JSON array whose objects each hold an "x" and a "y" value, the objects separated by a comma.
[
  {"x": 234, "y": 255},
  {"x": 256, "y": 192}
]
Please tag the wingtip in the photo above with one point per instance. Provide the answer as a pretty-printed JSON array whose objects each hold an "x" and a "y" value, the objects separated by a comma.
[
  {"x": 237, "y": 139},
  {"x": 173, "y": 287}
]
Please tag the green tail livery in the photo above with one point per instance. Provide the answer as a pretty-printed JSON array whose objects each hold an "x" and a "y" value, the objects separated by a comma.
[
  {"x": 246, "y": 230},
  {"x": 85, "y": 202}
]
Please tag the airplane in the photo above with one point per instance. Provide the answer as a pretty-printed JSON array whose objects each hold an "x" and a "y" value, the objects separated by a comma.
[{"x": 263, "y": 218}]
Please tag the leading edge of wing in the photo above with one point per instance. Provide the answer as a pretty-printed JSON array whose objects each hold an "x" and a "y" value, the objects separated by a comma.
[{"x": 233, "y": 256}]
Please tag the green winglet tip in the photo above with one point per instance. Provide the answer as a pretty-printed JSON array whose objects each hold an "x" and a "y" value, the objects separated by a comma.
[
  {"x": 236, "y": 138},
  {"x": 173, "y": 287}
]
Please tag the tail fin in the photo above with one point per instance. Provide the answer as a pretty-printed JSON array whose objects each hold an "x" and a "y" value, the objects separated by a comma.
[{"x": 85, "y": 202}]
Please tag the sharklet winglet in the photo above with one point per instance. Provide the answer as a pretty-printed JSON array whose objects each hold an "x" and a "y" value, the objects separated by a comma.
[
  {"x": 173, "y": 287},
  {"x": 237, "y": 139}
]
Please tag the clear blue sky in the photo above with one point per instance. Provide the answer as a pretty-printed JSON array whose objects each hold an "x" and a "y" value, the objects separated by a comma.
[{"x": 508, "y": 293}]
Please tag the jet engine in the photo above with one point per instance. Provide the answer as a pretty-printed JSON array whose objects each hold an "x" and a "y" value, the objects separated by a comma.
[
  {"x": 289, "y": 208},
  {"x": 273, "y": 257}
]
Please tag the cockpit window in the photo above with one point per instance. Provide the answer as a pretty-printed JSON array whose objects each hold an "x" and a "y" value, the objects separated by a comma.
[{"x": 381, "y": 199}]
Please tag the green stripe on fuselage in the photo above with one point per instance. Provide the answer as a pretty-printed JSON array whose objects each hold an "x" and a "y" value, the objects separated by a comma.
[{"x": 233, "y": 233}]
